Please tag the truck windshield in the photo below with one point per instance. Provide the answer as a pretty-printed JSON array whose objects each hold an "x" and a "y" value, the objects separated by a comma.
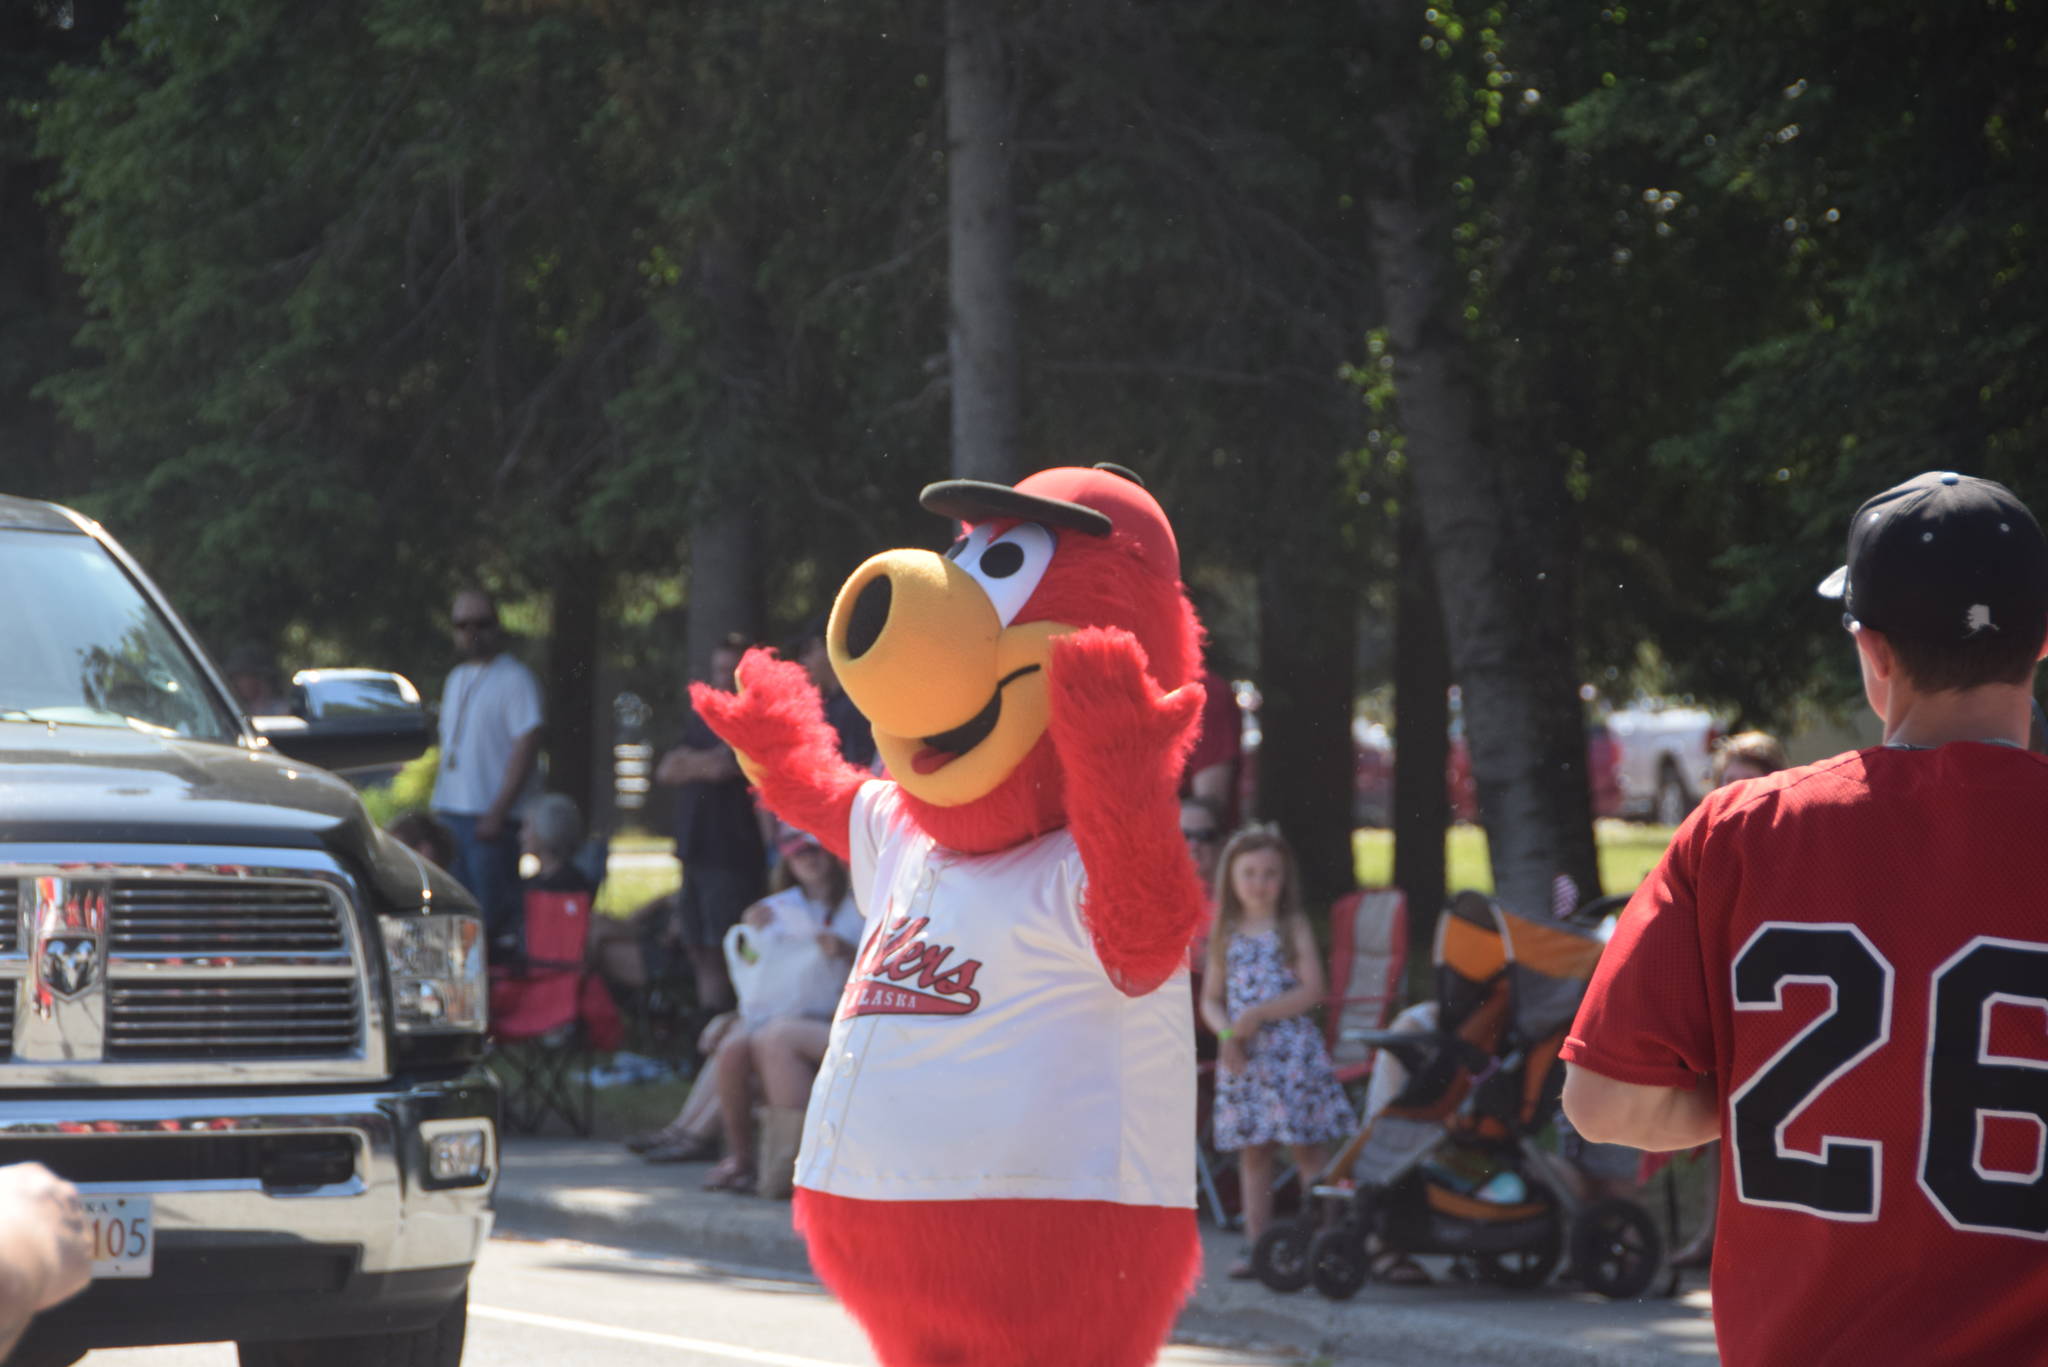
[{"x": 81, "y": 646}]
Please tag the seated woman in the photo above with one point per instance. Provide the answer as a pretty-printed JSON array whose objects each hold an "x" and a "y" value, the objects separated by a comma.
[
  {"x": 551, "y": 832},
  {"x": 783, "y": 1050}
]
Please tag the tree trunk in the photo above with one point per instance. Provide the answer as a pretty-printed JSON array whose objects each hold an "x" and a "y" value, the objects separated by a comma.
[
  {"x": 725, "y": 580},
  {"x": 726, "y": 573},
  {"x": 574, "y": 733},
  {"x": 981, "y": 341},
  {"x": 1308, "y": 634},
  {"x": 1422, "y": 715},
  {"x": 1521, "y": 709}
]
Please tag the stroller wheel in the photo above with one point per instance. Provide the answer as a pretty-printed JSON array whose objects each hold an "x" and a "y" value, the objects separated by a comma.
[
  {"x": 1280, "y": 1257},
  {"x": 1526, "y": 1268},
  {"x": 1336, "y": 1261},
  {"x": 1616, "y": 1248}
]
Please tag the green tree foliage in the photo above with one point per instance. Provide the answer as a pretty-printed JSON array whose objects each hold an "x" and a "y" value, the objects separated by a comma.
[
  {"x": 343, "y": 298},
  {"x": 387, "y": 296},
  {"x": 1821, "y": 221},
  {"x": 368, "y": 299}
]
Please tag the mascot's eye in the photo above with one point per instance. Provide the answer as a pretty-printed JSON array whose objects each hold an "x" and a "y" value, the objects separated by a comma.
[
  {"x": 1002, "y": 560},
  {"x": 1008, "y": 567}
]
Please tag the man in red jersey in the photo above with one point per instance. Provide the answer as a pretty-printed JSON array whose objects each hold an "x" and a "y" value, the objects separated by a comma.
[{"x": 1842, "y": 970}]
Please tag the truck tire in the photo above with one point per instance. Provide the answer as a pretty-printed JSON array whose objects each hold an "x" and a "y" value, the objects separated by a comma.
[
  {"x": 1673, "y": 802},
  {"x": 437, "y": 1345}
]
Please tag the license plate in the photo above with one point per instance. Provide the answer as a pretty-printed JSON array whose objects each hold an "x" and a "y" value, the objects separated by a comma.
[{"x": 123, "y": 1235}]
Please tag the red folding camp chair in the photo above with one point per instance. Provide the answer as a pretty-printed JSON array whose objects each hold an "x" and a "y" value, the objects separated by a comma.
[
  {"x": 550, "y": 1016},
  {"x": 1368, "y": 956}
]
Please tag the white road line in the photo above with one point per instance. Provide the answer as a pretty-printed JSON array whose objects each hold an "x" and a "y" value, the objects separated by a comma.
[{"x": 732, "y": 1351}]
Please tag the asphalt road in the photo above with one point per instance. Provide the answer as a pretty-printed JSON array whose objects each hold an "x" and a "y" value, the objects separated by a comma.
[{"x": 561, "y": 1304}]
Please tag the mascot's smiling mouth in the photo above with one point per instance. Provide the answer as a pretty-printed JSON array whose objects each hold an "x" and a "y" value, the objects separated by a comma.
[{"x": 942, "y": 749}]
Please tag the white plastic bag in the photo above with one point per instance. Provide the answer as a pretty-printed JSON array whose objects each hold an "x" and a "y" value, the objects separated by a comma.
[{"x": 781, "y": 971}]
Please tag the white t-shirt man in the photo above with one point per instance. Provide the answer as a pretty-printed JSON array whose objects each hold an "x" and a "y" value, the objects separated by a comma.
[
  {"x": 980, "y": 1050},
  {"x": 487, "y": 708}
]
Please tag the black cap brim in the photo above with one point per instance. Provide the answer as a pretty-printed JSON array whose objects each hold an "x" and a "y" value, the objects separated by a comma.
[{"x": 976, "y": 500}]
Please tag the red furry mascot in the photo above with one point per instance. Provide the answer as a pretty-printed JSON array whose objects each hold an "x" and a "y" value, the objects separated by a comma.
[{"x": 998, "y": 1157}]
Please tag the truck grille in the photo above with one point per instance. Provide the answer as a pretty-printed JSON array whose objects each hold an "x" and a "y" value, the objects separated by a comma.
[
  {"x": 243, "y": 1018},
  {"x": 210, "y": 918},
  {"x": 157, "y": 974}
]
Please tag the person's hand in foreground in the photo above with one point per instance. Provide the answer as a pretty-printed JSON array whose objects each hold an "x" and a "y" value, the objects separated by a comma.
[{"x": 45, "y": 1247}]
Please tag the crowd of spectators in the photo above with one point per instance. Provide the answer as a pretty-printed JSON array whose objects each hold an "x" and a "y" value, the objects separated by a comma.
[{"x": 785, "y": 890}]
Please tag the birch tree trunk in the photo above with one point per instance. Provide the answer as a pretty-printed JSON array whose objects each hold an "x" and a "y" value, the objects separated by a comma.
[
  {"x": 1521, "y": 708},
  {"x": 981, "y": 342}
]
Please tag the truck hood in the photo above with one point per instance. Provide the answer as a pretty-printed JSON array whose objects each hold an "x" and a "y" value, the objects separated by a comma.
[{"x": 111, "y": 785}]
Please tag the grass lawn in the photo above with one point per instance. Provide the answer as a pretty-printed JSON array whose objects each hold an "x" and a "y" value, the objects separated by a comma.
[
  {"x": 628, "y": 887},
  {"x": 642, "y": 842},
  {"x": 1627, "y": 853}
]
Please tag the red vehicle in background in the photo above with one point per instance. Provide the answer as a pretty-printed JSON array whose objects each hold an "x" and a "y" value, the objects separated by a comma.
[
  {"x": 1372, "y": 766},
  {"x": 1603, "y": 773}
]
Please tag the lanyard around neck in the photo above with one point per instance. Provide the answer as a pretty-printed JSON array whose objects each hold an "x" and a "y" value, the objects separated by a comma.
[{"x": 462, "y": 710}]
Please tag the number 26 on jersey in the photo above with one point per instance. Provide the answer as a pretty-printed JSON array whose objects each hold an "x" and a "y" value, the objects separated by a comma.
[{"x": 1965, "y": 1082}]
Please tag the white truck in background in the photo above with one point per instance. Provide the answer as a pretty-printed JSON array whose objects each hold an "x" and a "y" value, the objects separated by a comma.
[{"x": 1664, "y": 759}]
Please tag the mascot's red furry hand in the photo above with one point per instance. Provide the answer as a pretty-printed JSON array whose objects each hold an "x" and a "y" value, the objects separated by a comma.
[
  {"x": 1112, "y": 727},
  {"x": 998, "y": 1158},
  {"x": 776, "y": 725}
]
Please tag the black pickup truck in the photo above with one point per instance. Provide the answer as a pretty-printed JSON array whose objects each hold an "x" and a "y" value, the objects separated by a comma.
[{"x": 239, "y": 1017}]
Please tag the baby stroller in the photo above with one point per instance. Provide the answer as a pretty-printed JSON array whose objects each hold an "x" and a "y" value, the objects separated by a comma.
[{"x": 1450, "y": 1165}]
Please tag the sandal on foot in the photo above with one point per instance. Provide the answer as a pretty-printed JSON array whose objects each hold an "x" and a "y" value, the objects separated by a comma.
[
  {"x": 1241, "y": 1271},
  {"x": 651, "y": 1139},
  {"x": 730, "y": 1175},
  {"x": 686, "y": 1149}
]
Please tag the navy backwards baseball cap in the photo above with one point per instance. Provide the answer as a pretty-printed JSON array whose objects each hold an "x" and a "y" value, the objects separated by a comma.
[{"x": 1944, "y": 557}]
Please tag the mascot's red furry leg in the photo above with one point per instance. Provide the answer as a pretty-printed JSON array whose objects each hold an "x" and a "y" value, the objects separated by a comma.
[{"x": 1004, "y": 1283}]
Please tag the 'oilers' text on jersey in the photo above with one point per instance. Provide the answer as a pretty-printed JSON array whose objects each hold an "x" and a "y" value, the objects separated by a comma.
[{"x": 980, "y": 1050}]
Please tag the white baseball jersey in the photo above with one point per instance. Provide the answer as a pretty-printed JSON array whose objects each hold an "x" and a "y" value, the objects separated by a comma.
[{"x": 980, "y": 1049}]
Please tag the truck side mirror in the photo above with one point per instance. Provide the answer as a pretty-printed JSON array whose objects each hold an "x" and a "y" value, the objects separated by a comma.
[{"x": 350, "y": 719}]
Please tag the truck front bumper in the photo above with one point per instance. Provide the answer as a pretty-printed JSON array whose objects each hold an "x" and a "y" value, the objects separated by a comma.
[{"x": 281, "y": 1215}]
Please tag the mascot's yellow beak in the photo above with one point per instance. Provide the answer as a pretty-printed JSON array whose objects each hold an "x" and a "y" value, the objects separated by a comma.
[{"x": 956, "y": 698}]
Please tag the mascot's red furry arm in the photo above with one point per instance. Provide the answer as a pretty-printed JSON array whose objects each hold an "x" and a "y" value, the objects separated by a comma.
[
  {"x": 1121, "y": 743},
  {"x": 776, "y": 726},
  {"x": 998, "y": 1156}
]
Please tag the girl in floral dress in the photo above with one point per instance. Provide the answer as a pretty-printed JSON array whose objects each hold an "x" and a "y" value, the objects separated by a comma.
[{"x": 1274, "y": 1082}]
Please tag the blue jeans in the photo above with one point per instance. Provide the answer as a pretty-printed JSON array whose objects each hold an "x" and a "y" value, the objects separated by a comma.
[{"x": 490, "y": 870}]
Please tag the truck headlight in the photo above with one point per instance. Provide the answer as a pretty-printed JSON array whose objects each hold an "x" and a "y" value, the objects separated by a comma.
[{"x": 438, "y": 982}]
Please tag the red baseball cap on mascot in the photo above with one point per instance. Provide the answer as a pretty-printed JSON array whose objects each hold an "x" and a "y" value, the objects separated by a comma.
[{"x": 1097, "y": 501}]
